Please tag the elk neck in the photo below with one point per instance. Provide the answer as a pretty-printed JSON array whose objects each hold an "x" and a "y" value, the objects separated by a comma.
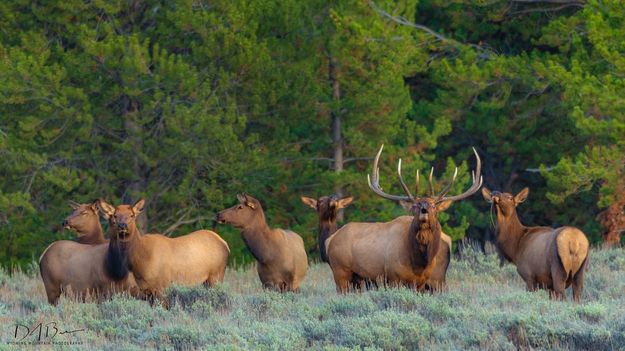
[
  {"x": 93, "y": 235},
  {"x": 258, "y": 238},
  {"x": 327, "y": 227},
  {"x": 424, "y": 242},
  {"x": 509, "y": 232},
  {"x": 122, "y": 255}
]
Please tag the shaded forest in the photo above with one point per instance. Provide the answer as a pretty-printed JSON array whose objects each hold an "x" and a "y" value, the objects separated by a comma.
[{"x": 189, "y": 102}]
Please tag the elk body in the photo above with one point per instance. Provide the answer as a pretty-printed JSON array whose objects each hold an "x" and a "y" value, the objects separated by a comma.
[
  {"x": 281, "y": 258},
  {"x": 158, "y": 261},
  {"x": 548, "y": 258},
  {"x": 405, "y": 251},
  {"x": 79, "y": 267},
  {"x": 327, "y": 208}
]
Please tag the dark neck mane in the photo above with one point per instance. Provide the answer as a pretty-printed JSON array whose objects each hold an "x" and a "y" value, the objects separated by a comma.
[
  {"x": 117, "y": 262},
  {"x": 327, "y": 227},
  {"x": 424, "y": 243}
]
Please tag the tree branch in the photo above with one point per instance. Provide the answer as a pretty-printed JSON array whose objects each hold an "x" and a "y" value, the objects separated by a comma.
[{"x": 181, "y": 221}]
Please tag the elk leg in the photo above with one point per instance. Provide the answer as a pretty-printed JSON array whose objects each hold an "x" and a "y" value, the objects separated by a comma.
[
  {"x": 531, "y": 284},
  {"x": 342, "y": 278},
  {"x": 558, "y": 279},
  {"x": 578, "y": 281}
]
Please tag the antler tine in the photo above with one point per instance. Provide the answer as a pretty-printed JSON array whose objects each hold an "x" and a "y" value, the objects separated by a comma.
[
  {"x": 416, "y": 189},
  {"x": 450, "y": 185},
  {"x": 430, "y": 182},
  {"x": 477, "y": 182},
  {"x": 401, "y": 181},
  {"x": 374, "y": 181}
]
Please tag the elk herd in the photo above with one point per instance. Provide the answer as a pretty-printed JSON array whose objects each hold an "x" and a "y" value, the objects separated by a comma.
[{"x": 410, "y": 251}]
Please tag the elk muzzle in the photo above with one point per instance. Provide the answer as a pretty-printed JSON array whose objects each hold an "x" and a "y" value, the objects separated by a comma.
[{"x": 219, "y": 218}]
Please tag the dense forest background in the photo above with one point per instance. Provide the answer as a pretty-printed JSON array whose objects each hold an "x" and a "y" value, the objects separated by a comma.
[{"x": 189, "y": 102}]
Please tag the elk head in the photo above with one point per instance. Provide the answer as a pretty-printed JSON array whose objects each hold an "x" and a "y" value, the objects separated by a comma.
[
  {"x": 505, "y": 203},
  {"x": 83, "y": 219},
  {"x": 245, "y": 213},
  {"x": 122, "y": 219},
  {"x": 424, "y": 209},
  {"x": 327, "y": 206}
]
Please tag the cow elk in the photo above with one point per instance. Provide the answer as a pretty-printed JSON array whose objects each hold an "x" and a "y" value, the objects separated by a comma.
[
  {"x": 281, "y": 258},
  {"x": 327, "y": 208},
  {"x": 547, "y": 258},
  {"x": 79, "y": 267},
  {"x": 158, "y": 261},
  {"x": 404, "y": 251}
]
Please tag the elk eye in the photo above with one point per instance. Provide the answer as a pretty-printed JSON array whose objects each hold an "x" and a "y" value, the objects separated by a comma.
[{"x": 240, "y": 207}]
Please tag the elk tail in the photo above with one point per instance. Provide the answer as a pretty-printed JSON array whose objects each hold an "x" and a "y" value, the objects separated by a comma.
[{"x": 572, "y": 248}]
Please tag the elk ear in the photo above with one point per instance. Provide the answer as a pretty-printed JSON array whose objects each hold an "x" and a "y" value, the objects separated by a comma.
[
  {"x": 241, "y": 198},
  {"x": 522, "y": 195},
  {"x": 138, "y": 206},
  {"x": 73, "y": 204},
  {"x": 344, "y": 202},
  {"x": 309, "y": 201},
  {"x": 406, "y": 205},
  {"x": 106, "y": 209},
  {"x": 94, "y": 206},
  {"x": 487, "y": 195},
  {"x": 251, "y": 205},
  {"x": 444, "y": 205}
]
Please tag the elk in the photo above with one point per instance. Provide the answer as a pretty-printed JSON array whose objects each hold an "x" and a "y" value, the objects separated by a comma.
[
  {"x": 404, "y": 251},
  {"x": 158, "y": 261},
  {"x": 548, "y": 258},
  {"x": 281, "y": 258},
  {"x": 79, "y": 267},
  {"x": 327, "y": 208}
]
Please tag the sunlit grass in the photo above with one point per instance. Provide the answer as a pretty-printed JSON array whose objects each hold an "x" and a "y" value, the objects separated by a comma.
[{"x": 484, "y": 307}]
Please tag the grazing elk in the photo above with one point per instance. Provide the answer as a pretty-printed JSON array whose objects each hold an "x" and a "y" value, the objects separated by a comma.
[
  {"x": 548, "y": 258},
  {"x": 400, "y": 252},
  {"x": 327, "y": 208},
  {"x": 79, "y": 267},
  {"x": 281, "y": 258},
  {"x": 158, "y": 261}
]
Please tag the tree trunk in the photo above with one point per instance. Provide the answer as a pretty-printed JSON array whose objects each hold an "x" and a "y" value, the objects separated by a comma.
[{"x": 337, "y": 138}]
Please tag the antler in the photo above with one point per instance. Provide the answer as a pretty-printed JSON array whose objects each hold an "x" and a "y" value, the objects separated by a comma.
[
  {"x": 374, "y": 181},
  {"x": 477, "y": 183}
]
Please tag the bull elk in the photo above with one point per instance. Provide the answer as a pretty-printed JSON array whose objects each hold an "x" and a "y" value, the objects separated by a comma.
[
  {"x": 404, "y": 251},
  {"x": 158, "y": 261},
  {"x": 547, "y": 258},
  {"x": 79, "y": 267},
  {"x": 281, "y": 258},
  {"x": 327, "y": 208}
]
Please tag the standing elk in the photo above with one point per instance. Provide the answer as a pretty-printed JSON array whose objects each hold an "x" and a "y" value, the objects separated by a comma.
[
  {"x": 403, "y": 251},
  {"x": 547, "y": 258},
  {"x": 79, "y": 267},
  {"x": 327, "y": 208},
  {"x": 158, "y": 261},
  {"x": 281, "y": 258}
]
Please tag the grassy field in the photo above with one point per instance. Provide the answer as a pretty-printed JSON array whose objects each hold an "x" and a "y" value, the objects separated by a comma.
[{"x": 486, "y": 307}]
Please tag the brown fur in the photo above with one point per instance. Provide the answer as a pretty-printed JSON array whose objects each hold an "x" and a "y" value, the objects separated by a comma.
[
  {"x": 78, "y": 267},
  {"x": 547, "y": 258},
  {"x": 393, "y": 252},
  {"x": 281, "y": 258},
  {"x": 327, "y": 208},
  {"x": 158, "y": 261},
  {"x": 409, "y": 250}
]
